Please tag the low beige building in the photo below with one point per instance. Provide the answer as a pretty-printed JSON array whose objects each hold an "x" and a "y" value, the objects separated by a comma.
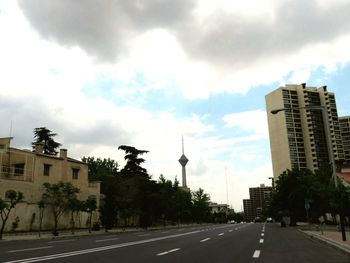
[{"x": 26, "y": 171}]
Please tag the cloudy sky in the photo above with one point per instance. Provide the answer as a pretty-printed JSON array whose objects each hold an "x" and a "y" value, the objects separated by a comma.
[{"x": 103, "y": 73}]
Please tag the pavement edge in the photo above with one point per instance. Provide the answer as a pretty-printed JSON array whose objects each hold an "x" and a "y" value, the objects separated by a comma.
[{"x": 327, "y": 241}]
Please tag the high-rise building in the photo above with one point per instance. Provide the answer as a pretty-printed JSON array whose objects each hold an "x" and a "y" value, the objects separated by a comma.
[
  {"x": 253, "y": 206},
  {"x": 345, "y": 133},
  {"x": 298, "y": 133}
]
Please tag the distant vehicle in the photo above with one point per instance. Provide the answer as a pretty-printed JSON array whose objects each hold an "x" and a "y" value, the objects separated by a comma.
[
  {"x": 269, "y": 220},
  {"x": 232, "y": 222},
  {"x": 257, "y": 220}
]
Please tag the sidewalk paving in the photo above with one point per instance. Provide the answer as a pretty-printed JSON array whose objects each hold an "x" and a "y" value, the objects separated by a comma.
[{"x": 332, "y": 238}]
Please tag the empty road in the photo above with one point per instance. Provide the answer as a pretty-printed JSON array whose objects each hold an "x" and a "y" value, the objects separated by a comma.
[{"x": 217, "y": 243}]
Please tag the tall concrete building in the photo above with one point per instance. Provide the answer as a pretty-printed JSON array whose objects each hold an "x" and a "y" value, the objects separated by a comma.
[
  {"x": 298, "y": 134},
  {"x": 253, "y": 206},
  {"x": 345, "y": 132}
]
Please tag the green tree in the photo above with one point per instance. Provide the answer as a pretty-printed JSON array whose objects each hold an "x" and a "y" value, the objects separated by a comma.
[
  {"x": 57, "y": 197},
  {"x": 136, "y": 182},
  {"x": 41, "y": 206},
  {"x": 90, "y": 205},
  {"x": 46, "y": 136},
  {"x": 133, "y": 162},
  {"x": 292, "y": 189},
  {"x": 12, "y": 198},
  {"x": 200, "y": 210},
  {"x": 101, "y": 169},
  {"x": 74, "y": 205}
]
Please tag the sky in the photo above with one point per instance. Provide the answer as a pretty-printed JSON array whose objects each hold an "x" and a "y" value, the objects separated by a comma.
[{"x": 105, "y": 73}]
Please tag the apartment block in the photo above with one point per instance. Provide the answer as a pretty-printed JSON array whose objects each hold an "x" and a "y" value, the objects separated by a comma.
[
  {"x": 26, "y": 171},
  {"x": 345, "y": 133},
  {"x": 299, "y": 133},
  {"x": 253, "y": 206}
]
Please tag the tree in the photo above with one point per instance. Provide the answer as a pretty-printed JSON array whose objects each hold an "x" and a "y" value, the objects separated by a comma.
[
  {"x": 136, "y": 182},
  {"x": 45, "y": 136},
  {"x": 101, "y": 169},
  {"x": 57, "y": 197},
  {"x": 293, "y": 188},
  {"x": 133, "y": 161},
  {"x": 12, "y": 198},
  {"x": 200, "y": 201},
  {"x": 90, "y": 205},
  {"x": 41, "y": 206},
  {"x": 75, "y": 206}
]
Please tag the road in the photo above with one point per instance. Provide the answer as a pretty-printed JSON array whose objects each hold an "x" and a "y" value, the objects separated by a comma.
[{"x": 218, "y": 243}]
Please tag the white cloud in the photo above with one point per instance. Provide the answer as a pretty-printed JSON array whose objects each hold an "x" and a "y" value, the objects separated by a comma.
[{"x": 254, "y": 121}]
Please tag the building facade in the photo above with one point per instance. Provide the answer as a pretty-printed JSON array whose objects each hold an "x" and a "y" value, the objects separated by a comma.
[
  {"x": 298, "y": 134},
  {"x": 253, "y": 206},
  {"x": 345, "y": 133},
  {"x": 26, "y": 171}
]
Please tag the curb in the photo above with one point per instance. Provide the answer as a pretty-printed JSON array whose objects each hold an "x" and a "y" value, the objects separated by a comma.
[{"x": 332, "y": 243}]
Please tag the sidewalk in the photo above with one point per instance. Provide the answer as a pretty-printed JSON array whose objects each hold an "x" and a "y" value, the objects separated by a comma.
[{"x": 332, "y": 238}]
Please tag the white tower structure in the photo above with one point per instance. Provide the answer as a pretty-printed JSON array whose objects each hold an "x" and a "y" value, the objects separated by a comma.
[{"x": 183, "y": 161}]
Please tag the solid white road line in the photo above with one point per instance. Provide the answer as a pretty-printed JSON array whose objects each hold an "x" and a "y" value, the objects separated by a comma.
[
  {"x": 256, "y": 254},
  {"x": 167, "y": 252},
  {"x": 165, "y": 232},
  {"x": 261, "y": 241},
  {"x": 221, "y": 234},
  {"x": 61, "y": 241},
  {"x": 107, "y": 239},
  {"x": 206, "y": 239},
  {"x": 29, "y": 249},
  {"x": 97, "y": 249}
]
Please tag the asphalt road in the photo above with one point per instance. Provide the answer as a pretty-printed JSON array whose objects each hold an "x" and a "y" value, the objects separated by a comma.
[{"x": 219, "y": 243}]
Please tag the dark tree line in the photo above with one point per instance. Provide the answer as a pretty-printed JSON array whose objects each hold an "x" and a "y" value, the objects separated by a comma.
[
  {"x": 306, "y": 196},
  {"x": 132, "y": 198}
]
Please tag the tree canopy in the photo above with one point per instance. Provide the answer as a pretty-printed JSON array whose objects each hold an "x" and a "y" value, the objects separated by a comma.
[{"x": 46, "y": 137}]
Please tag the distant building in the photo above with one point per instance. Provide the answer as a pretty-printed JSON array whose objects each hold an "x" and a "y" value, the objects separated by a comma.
[
  {"x": 253, "y": 206},
  {"x": 218, "y": 208},
  {"x": 26, "y": 171},
  {"x": 298, "y": 136}
]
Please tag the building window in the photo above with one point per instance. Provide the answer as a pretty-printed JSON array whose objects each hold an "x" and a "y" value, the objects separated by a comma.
[
  {"x": 75, "y": 173},
  {"x": 19, "y": 169},
  {"x": 47, "y": 169}
]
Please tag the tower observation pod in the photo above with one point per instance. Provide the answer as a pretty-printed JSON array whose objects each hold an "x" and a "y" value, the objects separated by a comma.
[{"x": 183, "y": 161}]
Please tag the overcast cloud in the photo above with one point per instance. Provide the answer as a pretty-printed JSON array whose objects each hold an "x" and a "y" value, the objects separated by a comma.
[{"x": 102, "y": 73}]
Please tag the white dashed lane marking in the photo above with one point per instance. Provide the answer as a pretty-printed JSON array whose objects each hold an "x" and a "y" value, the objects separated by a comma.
[
  {"x": 167, "y": 252},
  {"x": 256, "y": 254},
  {"x": 221, "y": 234},
  {"x": 261, "y": 241},
  {"x": 206, "y": 239}
]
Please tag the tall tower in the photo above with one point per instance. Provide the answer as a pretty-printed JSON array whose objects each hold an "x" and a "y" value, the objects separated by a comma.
[
  {"x": 183, "y": 161},
  {"x": 298, "y": 135}
]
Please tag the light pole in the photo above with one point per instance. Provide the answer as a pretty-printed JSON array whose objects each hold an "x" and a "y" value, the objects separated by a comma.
[{"x": 329, "y": 147}]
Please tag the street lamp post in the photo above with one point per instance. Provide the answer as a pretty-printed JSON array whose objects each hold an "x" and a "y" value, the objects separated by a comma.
[{"x": 329, "y": 147}]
